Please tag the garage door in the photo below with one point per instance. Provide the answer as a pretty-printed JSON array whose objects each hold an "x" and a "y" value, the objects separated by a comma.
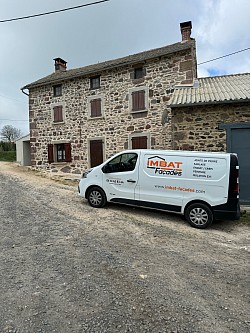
[{"x": 240, "y": 144}]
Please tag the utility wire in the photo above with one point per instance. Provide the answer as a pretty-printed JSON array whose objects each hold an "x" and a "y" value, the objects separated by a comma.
[
  {"x": 227, "y": 55},
  {"x": 13, "y": 120},
  {"x": 53, "y": 12},
  {"x": 12, "y": 99}
]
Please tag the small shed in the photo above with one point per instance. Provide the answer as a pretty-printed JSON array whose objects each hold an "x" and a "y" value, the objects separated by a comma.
[{"x": 23, "y": 150}]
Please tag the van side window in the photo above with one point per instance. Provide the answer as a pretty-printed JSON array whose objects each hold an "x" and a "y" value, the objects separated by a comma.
[{"x": 121, "y": 163}]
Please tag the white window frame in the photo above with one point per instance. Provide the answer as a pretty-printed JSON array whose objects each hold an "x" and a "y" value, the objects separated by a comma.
[
  {"x": 131, "y": 90},
  {"x": 91, "y": 98}
]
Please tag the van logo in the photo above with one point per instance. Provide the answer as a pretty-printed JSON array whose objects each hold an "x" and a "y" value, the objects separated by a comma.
[{"x": 163, "y": 167}]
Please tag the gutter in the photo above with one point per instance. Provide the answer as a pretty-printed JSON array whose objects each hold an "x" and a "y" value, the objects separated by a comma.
[
  {"x": 24, "y": 91},
  {"x": 210, "y": 103}
]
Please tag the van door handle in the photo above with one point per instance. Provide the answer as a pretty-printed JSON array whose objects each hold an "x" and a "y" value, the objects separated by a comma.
[{"x": 131, "y": 181}]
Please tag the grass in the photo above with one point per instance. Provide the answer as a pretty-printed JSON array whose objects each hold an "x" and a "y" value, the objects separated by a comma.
[
  {"x": 8, "y": 156},
  {"x": 245, "y": 218}
]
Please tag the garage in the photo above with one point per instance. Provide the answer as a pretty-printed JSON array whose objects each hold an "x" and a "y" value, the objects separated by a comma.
[{"x": 238, "y": 141}]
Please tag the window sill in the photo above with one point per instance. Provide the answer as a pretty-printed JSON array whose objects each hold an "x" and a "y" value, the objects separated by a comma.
[
  {"x": 95, "y": 88},
  {"x": 59, "y": 163},
  {"x": 139, "y": 111},
  {"x": 58, "y": 122},
  {"x": 94, "y": 118}
]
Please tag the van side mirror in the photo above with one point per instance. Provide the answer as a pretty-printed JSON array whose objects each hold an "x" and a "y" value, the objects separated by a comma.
[{"x": 106, "y": 168}]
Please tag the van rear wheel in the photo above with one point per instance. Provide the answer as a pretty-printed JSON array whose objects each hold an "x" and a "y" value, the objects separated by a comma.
[
  {"x": 96, "y": 197},
  {"x": 199, "y": 215}
]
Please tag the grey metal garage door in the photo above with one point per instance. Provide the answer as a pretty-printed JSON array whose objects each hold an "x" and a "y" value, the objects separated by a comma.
[{"x": 240, "y": 144}]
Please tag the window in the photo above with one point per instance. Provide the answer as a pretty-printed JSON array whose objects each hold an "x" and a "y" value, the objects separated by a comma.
[
  {"x": 138, "y": 99},
  {"x": 60, "y": 152},
  {"x": 57, "y": 114},
  {"x": 139, "y": 141},
  {"x": 57, "y": 90},
  {"x": 139, "y": 72},
  {"x": 95, "y": 106},
  {"x": 95, "y": 82},
  {"x": 121, "y": 163}
]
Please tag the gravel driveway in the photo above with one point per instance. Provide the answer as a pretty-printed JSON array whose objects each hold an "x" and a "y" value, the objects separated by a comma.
[{"x": 66, "y": 267}]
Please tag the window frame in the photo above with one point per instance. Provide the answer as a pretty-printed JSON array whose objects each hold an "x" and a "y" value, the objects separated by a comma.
[
  {"x": 137, "y": 70},
  {"x": 146, "y": 96},
  {"x": 55, "y": 88},
  {"x": 53, "y": 106},
  {"x": 93, "y": 80},
  {"x": 136, "y": 135},
  {"x": 53, "y": 152},
  {"x": 89, "y": 100}
]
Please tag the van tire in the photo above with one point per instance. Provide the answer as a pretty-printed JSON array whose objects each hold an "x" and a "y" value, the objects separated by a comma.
[
  {"x": 96, "y": 197},
  {"x": 199, "y": 215}
]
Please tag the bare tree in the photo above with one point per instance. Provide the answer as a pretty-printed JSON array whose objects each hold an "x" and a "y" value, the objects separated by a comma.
[{"x": 10, "y": 133}]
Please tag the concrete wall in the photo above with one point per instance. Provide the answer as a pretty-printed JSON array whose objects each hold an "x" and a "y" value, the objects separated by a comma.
[{"x": 23, "y": 151}]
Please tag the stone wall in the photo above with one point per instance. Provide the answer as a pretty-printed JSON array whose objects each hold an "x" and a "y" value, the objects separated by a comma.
[
  {"x": 117, "y": 123},
  {"x": 197, "y": 128}
]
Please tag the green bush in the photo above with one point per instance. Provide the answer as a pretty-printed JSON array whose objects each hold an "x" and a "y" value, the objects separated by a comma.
[
  {"x": 245, "y": 218},
  {"x": 7, "y": 146},
  {"x": 8, "y": 156}
]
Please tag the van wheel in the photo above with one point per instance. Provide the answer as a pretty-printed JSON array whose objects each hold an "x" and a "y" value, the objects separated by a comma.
[
  {"x": 199, "y": 215},
  {"x": 96, "y": 197}
]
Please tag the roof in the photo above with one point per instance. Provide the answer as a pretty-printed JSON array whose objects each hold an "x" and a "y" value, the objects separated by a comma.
[
  {"x": 24, "y": 138},
  {"x": 213, "y": 90},
  {"x": 95, "y": 69}
]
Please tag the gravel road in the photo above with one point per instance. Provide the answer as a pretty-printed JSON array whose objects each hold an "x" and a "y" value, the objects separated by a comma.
[{"x": 67, "y": 267}]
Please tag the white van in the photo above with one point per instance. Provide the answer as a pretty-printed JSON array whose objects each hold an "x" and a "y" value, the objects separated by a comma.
[{"x": 201, "y": 186}]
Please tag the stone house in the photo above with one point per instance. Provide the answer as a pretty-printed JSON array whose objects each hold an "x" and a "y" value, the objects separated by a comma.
[
  {"x": 213, "y": 114},
  {"x": 82, "y": 116}
]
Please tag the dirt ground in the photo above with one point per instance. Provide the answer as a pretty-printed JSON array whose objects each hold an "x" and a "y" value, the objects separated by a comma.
[{"x": 67, "y": 267}]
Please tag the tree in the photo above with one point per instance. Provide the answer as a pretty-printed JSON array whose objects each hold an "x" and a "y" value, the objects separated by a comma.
[{"x": 10, "y": 133}]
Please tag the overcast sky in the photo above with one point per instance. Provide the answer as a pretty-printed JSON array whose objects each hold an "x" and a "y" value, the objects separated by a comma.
[{"x": 111, "y": 30}]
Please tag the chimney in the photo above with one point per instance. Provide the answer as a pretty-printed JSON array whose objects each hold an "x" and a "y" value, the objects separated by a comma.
[
  {"x": 60, "y": 65},
  {"x": 186, "y": 28}
]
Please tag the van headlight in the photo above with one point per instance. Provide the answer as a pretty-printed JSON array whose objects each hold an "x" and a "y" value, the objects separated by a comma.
[{"x": 85, "y": 174}]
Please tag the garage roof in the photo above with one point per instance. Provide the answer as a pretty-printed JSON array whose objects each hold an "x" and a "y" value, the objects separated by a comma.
[{"x": 213, "y": 90}]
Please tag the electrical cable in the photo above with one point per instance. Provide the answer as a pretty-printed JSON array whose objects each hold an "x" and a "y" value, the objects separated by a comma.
[
  {"x": 53, "y": 12},
  {"x": 227, "y": 55},
  {"x": 13, "y": 120}
]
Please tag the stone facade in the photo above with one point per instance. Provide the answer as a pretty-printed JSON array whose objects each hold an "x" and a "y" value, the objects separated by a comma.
[
  {"x": 117, "y": 124},
  {"x": 197, "y": 128}
]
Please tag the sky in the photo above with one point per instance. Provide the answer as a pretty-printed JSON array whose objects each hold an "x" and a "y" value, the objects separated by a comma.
[{"x": 110, "y": 30}]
